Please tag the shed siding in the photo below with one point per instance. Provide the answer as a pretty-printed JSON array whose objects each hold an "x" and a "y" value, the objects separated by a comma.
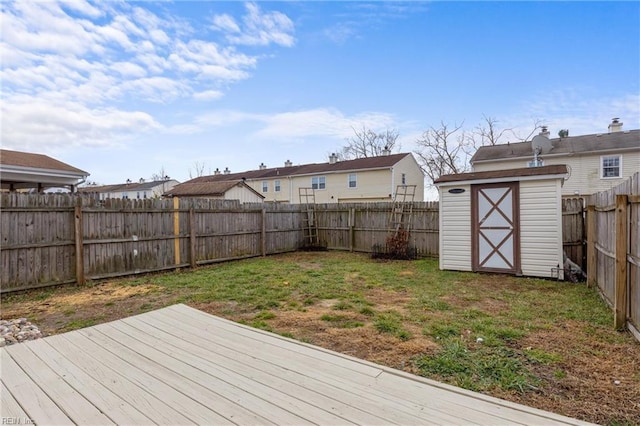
[
  {"x": 455, "y": 229},
  {"x": 540, "y": 227}
]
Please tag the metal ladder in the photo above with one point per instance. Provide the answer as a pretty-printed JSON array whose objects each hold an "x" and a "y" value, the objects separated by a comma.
[
  {"x": 310, "y": 227},
  {"x": 402, "y": 209}
]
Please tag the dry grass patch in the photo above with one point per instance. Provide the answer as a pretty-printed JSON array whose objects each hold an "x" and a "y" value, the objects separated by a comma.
[{"x": 541, "y": 343}]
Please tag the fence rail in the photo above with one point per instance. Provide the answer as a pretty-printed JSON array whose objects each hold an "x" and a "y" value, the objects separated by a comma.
[{"x": 613, "y": 250}]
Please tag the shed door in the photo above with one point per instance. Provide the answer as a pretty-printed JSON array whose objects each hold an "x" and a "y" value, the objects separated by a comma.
[{"x": 495, "y": 228}]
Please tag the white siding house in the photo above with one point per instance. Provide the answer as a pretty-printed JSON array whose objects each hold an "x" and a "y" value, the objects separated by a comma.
[
  {"x": 507, "y": 221},
  {"x": 370, "y": 179},
  {"x": 223, "y": 190},
  {"x": 140, "y": 190},
  {"x": 595, "y": 162}
]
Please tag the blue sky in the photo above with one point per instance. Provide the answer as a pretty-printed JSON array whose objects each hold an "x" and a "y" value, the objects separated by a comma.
[{"x": 126, "y": 89}]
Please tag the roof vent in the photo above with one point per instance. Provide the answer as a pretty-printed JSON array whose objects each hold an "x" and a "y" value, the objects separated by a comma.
[
  {"x": 616, "y": 125},
  {"x": 288, "y": 163},
  {"x": 386, "y": 151},
  {"x": 333, "y": 158},
  {"x": 544, "y": 131},
  {"x": 227, "y": 171},
  {"x": 262, "y": 166},
  {"x": 217, "y": 171}
]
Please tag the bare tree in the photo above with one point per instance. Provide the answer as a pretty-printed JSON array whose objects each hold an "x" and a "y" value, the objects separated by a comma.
[
  {"x": 198, "y": 170},
  {"x": 488, "y": 132},
  {"x": 160, "y": 175},
  {"x": 368, "y": 143},
  {"x": 443, "y": 150}
]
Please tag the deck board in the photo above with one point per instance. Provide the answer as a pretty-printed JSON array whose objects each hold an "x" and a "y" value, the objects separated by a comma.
[{"x": 178, "y": 365}]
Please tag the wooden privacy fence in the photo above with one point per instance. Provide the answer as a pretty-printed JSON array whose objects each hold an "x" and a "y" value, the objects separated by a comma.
[
  {"x": 573, "y": 230},
  {"x": 613, "y": 250},
  {"x": 49, "y": 239},
  {"x": 57, "y": 238}
]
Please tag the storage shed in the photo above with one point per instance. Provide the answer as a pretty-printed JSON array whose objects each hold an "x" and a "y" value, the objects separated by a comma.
[{"x": 504, "y": 221}]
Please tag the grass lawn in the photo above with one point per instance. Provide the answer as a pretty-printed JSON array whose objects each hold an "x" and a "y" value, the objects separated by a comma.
[{"x": 542, "y": 343}]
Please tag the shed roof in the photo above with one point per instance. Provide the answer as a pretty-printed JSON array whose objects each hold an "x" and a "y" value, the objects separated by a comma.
[
  {"x": 595, "y": 143},
  {"x": 308, "y": 169},
  {"x": 216, "y": 189},
  {"x": 556, "y": 169}
]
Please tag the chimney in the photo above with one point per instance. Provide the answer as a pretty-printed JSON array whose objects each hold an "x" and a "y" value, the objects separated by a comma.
[
  {"x": 333, "y": 158},
  {"x": 262, "y": 166},
  {"x": 386, "y": 151},
  {"x": 217, "y": 171},
  {"x": 544, "y": 131},
  {"x": 227, "y": 171},
  {"x": 615, "y": 126},
  {"x": 288, "y": 163}
]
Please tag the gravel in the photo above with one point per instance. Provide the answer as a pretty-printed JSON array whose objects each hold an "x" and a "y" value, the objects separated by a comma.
[{"x": 18, "y": 330}]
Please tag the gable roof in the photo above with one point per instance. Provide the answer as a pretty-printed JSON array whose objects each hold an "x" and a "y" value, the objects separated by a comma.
[
  {"x": 125, "y": 187},
  {"x": 217, "y": 189},
  {"x": 369, "y": 163},
  {"x": 627, "y": 140},
  {"x": 35, "y": 161}
]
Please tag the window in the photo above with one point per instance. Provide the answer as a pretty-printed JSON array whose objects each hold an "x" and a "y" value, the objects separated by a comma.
[
  {"x": 404, "y": 179},
  {"x": 138, "y": 195},
  {"x": 353, "y": 182},
  {"x": 265, "y": 186},
  {"x": 318, "y": 182},
  {"x": 610, "y": 166},
  {"x": 276, "y": 186},
  {"x": 145, "y": 194}
]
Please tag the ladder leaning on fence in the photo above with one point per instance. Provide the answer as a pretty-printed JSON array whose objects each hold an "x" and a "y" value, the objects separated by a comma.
[
  {"x": 402, "y": 210},
  {"x": 310, "y": 226}
]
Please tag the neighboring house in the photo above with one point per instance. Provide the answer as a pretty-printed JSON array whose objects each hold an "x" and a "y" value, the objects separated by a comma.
[
  {"x": 131, "y": 190},
  {"x": 22, "y": 171},
  {"x": 222, "y": 190},
  {"x": 595, "y": 162},
  {"x": 369, "y": 179}
]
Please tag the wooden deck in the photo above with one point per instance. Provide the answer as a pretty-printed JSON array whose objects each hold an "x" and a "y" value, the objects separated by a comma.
[{"x": 178, "y": 365}]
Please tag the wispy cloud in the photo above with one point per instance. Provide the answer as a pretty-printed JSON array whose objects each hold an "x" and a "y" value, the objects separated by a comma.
[
  {"x": 576, "y": 110},
  {"x": 69, "y": 63},
  {"x": 257, "y": 28},
  {"x": 362, "y": 16}
]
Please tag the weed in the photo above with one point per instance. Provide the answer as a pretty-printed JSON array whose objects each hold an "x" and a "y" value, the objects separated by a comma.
[
  {"x": 264, "y": 315},
  {"x": 342, "y": 306}
]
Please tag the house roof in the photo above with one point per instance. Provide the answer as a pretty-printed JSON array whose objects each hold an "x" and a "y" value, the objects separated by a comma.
[
  {"x": 36, "y": 161},
  {"x": 26, "y": 170},
  {"x": 627, "y": 140},
  {"x": 308, "y": 169},
  {"x": 125, "y": 187},
  {"x": 216, "y": 189},
  {"x": 556, "y": 169}
]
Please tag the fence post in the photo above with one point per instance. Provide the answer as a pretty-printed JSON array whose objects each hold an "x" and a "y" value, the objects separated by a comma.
[
  {"x": 263, "y": 232},
  {"x": 176, "y": 230},
  {"x": 192, "y": 238},
  {"x": 352, "y": 228},
  {"x": 80, "y": 279},
  {"x": 621, "y": 261},
  {"x": 592, "y": 257}
]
